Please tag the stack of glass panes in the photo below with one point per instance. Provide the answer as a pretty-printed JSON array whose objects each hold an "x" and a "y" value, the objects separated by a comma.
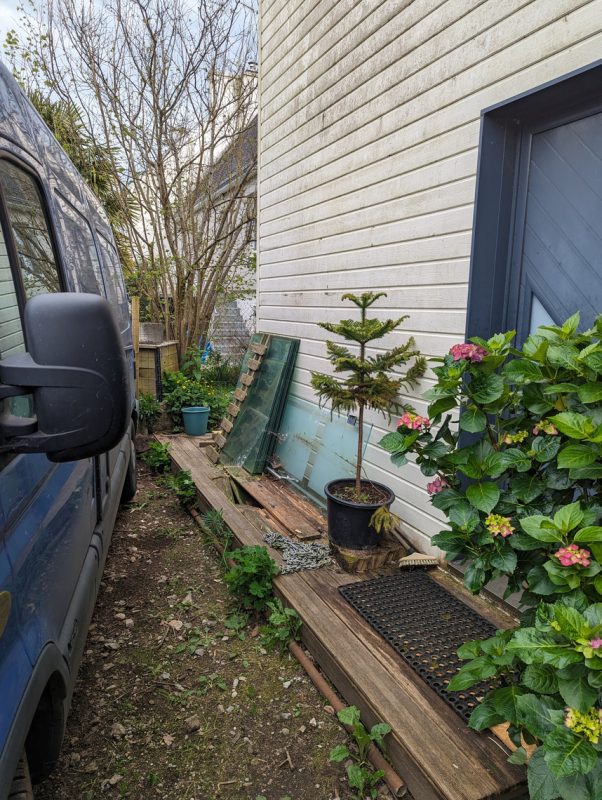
[{"x": 254, "y": 435}]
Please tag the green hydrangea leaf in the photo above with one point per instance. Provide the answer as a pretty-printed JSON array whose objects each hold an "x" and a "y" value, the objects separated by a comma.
[
  {"x": 484, "y": 716},
  {"x": 483, "y": 496},
  {"x": 541, "y": 782},
  {"x": 573, "y": 425},
  {"x": 575, "y": 689},
  {"x": 567, "y": 754},
  {"x": 539, "y": 715},
  {"x": 472, "y": 420},
  {"x": 540, "y": 678},
  {"x": 576, "y": 455}
]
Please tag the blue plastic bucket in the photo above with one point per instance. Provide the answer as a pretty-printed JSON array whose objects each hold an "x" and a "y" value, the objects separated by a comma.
[{"x": 195, "y": 420}]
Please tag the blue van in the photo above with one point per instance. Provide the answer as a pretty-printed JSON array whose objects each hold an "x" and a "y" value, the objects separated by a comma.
[{"x": 67, "y": 423}]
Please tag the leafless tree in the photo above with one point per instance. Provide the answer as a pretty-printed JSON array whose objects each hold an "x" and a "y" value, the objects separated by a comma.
[{"x": 168, "y": 86}]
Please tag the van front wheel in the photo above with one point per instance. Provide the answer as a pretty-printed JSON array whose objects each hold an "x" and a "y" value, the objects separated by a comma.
[
  {"x": 131, "y": 483},
  {"x": 21, "y": 788}
]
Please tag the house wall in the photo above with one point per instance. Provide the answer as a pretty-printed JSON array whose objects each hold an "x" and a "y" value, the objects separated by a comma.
[{"x": 369, "y": 129}]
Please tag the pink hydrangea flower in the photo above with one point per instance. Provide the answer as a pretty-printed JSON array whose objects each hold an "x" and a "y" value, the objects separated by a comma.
[
  {"x": 468, "y": 352},
  {"x": 436, "y": 486},
  {"x": 595, "y": 644},
  {"x": 573, "y": 556},
  {"x": 499, "y": 526},
  {"x": 413, "y": 421}
]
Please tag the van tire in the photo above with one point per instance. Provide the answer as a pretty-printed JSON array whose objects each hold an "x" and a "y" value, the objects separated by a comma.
[
  {"x": 131, "y": 481},
  {"x": 21, "y": 788}
]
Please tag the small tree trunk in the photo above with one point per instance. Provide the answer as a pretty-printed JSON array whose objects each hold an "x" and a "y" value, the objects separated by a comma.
[{"x": 360, "y": 448}]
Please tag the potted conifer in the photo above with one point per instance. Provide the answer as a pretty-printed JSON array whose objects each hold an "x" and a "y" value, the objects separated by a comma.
[{"x": 352, "y": 503}]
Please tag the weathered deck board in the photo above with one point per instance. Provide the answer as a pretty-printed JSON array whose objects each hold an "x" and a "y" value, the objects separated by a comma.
[
  {"x": 270, "y": 497},
  {"x": 431, "y": 748}
]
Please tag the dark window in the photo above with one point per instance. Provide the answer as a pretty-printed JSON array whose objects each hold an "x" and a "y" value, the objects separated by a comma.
[
  {"x": 29, "y": 228},
  {"x": 116, "y": 293},
  {"x": 80, "y": 250},
  {"x": 25, "y": 241}
]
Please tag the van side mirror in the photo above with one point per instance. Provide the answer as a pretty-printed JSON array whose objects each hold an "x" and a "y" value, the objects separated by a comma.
[{"x": 75, "y": 368}]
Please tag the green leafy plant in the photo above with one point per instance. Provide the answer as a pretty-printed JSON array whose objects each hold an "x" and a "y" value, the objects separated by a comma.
[
  {"x": 236, "y": 623},
  {"x": 149, "y": 410},
  {"x": 369, "y": 384},
  {"x": 360, "y": 774},
  {"x": 522, "y": 498},
  {"x": 181, "y": 391},
  {"x": 183, "y": 486},
  {"x": 250, "y": 578},
  {"x": 157, "y": 457},
  {"x": 214, "y": 370},
  {"x": 283, "y": 625}
]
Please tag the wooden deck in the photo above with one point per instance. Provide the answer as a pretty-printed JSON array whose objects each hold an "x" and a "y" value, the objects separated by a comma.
[{"x": 438, "y": 756}]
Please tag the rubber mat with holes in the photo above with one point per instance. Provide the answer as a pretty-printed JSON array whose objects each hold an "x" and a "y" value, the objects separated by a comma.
[{"x": 425, "y": 624}]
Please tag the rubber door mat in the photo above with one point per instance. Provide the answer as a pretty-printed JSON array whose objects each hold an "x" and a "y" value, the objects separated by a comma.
[{"x": 425, "y": 624}]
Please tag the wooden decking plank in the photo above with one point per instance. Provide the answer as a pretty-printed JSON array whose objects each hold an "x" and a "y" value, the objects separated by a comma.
[
  {"x": 268, "y": 497},
  {"x": 211, "y": 496},
  {"x": 476, "y": 749},
  {"x": 290, "y": 496},
  {"x": 448, "y": 755}
]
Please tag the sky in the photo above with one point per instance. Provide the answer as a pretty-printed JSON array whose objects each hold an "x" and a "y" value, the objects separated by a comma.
[{"x": 8, "y": 16}]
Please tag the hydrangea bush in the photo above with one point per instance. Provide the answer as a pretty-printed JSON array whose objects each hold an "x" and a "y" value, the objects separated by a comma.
[{"x": 518, "y": 475}]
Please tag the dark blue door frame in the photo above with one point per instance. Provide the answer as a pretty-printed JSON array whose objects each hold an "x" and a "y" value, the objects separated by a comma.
[{"x": 504, "y": 150}]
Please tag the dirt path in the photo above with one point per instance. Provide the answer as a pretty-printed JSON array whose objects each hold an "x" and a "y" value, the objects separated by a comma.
[{"x": 171, "y": 703}]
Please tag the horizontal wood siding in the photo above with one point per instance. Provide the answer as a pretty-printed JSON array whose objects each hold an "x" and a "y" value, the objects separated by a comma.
[{"x": 369, "y": 126}]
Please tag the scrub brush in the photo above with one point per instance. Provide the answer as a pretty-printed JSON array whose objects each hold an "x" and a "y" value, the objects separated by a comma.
[{"x": 413, "y": 558}]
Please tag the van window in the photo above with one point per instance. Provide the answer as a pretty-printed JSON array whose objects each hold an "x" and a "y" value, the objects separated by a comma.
[
  {"x": 80, "y": 249},
  {"x": 29, "y": 228},
  {"x": 116, "y": 293}
]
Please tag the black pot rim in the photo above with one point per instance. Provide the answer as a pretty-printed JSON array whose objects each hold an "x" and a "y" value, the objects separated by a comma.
[{"x": 350, "y": 503}]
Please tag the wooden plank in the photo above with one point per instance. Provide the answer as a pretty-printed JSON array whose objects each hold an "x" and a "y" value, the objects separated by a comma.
[
  {"x": 220, "y": 440},
  {"x": 247, "y": 380},
  {"x": 204, "y": 475},
  {"x": 304, "y": 506},
  {"x": 233, "y": 410},
  {"x": 254, "y": 364},
  {"x": 263, "y": 492},
  {"x": 240, "y": 394},
  {"x": 412, "y": 708},
  {"x": 258, "y": 349},
  {"x": 330, "y": 663},
  {"x": 213, "y": 454},
  {"x": 486, "y": 608},
  {"x": 227, "y": 425}
]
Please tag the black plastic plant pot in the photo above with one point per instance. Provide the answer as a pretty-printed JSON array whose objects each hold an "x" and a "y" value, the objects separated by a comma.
[{"x": 349, "y": 522}]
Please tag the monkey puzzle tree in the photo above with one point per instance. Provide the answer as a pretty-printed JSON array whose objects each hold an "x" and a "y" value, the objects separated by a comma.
[{"x": 371, "y": 383}]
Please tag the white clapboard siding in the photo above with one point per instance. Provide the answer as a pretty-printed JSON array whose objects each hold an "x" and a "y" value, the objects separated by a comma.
[
  {"x": 440, "y": 81},
  {"x": 11, "y": 334},
  {"x": 369, "y": 133}
]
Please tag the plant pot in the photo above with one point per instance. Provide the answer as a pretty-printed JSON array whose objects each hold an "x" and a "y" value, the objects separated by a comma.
[
  {"x": 195, "y": 420},
  {"x": 349, "y": 522}
]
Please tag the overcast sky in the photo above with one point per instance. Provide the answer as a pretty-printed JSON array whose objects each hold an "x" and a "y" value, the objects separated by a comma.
[{"x": 8, "y": 16}]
